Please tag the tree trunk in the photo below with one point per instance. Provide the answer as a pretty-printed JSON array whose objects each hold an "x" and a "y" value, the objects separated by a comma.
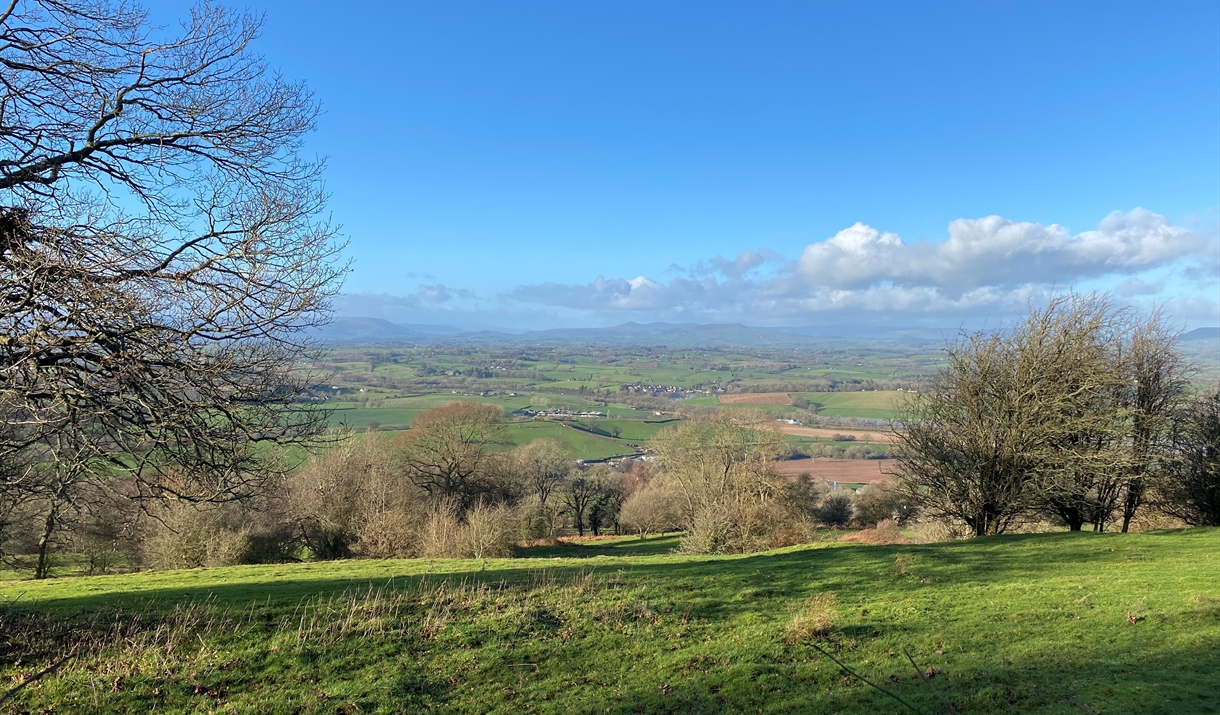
[
  {"x": 44, "y": 541},
  {"x": 1134, "y": 498}
]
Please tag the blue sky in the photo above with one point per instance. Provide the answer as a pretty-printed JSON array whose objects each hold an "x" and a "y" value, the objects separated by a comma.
[{"x": 540, "y": 164}]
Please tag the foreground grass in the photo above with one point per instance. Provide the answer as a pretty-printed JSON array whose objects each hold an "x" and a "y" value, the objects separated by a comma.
[{"x": 1054, "y": 623}]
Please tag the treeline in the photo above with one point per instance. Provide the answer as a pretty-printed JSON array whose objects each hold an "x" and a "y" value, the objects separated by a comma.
[
  {"x": 1082, "y": 414},
  {"x": 442, "y": 489},
  {"x": 828, "y": 385}
]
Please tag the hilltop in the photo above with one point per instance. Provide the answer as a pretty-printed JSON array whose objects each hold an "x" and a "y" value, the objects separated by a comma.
[{"x": 1051, "y": 623}]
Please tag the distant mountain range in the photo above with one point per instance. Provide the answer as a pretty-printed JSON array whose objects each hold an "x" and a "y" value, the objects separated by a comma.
[
  {"x": 1202, "y": 334},
  {"x": 377, "y": 331}
]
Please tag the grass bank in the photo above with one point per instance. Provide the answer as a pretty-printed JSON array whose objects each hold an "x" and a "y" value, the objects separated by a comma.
[{"x": 1053, "y": 623}]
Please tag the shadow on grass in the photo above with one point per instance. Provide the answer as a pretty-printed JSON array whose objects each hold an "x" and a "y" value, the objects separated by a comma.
[
  {"x": 713, "y": 586},
  {"x": 624, "y": 546}
]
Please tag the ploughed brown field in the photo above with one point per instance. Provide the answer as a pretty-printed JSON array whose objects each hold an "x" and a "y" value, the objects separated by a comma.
[
  {"x": 847, "y": 471},
  {"x": 860, "y": 435},
  {"x": 755, "y": 398}
]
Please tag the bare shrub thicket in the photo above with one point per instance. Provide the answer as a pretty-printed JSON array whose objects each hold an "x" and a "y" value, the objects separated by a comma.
[
  {"x": 649, "y": 510},
  {"x": 354, "y": 501},
  {"x": 1061, "y": 417},
  {"x": 721, "y": 472},
  {"x": 882, "y": 501},
  {"x": 1189, "y": 487}
]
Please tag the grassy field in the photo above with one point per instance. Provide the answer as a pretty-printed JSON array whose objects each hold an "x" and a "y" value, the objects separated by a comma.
[
  {"x": 1054, "y": 623},
  {"x": 881, "y": 404},
  {"x": 579, "y": 444}
]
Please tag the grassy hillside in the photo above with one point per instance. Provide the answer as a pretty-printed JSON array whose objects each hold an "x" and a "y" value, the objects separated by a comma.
[{"x": 1059, "y": 623}]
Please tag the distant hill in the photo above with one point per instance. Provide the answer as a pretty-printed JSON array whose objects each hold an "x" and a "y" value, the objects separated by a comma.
[
  {"x": 377, "y": 331},
  {"x": 367, "y": 331},
  {"x": 1203, "y": 334}
]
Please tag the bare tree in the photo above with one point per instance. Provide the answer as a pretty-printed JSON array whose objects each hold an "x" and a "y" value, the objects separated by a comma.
[
  {"x": 1190, "y": 487},
  {"x": 1061, "y": 415},
  {"x": 721, "y": 469},
  {"x": 1018, "y": 421},
  {"x": 648, "y": 510},
  {"x": 163, "y": 250},
  {"x": 543, "y": 470},
  {"x": 449, "y": 452},
  {"x": 580, "y": 492},
  {"x": 1156, "y": 378},
  {"x": 604, "y": 511}
]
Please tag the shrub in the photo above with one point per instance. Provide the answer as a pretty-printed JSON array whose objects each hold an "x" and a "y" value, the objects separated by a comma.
[
  {"x": 835, "y": 510},
  {"x": 721, "y": 468},
  {"x": 885, "y": 533},
  {"x": 187, "y": 536},
  {"x": 486, "y": 532},
  {"x": 880, "y": 501},
  {"x": 649, "y": 510}
]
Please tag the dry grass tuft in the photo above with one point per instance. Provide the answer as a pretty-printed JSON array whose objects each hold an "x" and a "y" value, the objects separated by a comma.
[{"x": 814, "y": 618}]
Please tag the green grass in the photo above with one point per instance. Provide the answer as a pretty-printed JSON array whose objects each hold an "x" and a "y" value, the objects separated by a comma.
[
  {"x": 628, "y": 430},
  {"x": 881, "y": 405},
  {"x": 579, "y": 445},
  {"x": 1022, "y": 624}
]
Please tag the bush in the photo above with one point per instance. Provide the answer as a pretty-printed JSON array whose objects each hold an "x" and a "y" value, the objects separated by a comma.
[
  {"x": 722, "y": 469},
  {"x": 835, "y": 510},
  {"x": 885, "y": 533},
  {"x": 487, "y": 532},
  {"x": 881, "y": 501},
  {"x": 183, "y": 536},
  {"x": 649, "y": 510}
]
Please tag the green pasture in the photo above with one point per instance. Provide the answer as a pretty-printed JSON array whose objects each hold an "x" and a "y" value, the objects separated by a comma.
[
  {"x": 628, "y": 430},
  {"x": 880, "y": 404},
  {"x": 1051, "y": 623},
  {"x": 579, "y": 444}
]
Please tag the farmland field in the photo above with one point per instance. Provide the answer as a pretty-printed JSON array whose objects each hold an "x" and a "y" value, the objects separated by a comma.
[
  {"x": 881, "y": 404},
  {"x": 844, "y": 471},
  {"x": 755, "y": 398},
  {"x": 828, "y": 433},
  {"x": 1047, "y": 623}
]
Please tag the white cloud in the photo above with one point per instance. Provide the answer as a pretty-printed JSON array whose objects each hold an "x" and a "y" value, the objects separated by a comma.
[
  {"x": 986, "y": 268},
  {"x": 996, "y": 252}
]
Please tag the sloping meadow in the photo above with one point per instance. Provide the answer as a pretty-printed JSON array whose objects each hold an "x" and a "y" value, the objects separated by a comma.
[{"x": 1033, "y": 623}]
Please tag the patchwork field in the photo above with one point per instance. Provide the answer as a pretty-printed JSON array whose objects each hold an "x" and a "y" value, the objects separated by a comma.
[
  {"x": 879, "y": 404},
  {"x": 1049, "y": 623},
  {"x": 844, "y": 471},
  {"x": 826, "y": 433}
]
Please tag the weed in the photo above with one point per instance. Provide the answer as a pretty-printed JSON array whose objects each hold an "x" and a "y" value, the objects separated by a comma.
[{"x": 814, "y": 618}]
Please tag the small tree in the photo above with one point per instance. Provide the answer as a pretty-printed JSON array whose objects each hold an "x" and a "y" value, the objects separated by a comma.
[
  {"x": 648, "y": 511},
  {"x": 543, "y": 468},
  {"x": 579, "y": 493},
  {"x": 449, "y": 452},
  {"x": 721, "y": 470},
  {"x": 604, "y": 511},
  {"x": 1033, "y": 419},
  {"x": 1190, "y": 486},
  {"x": 1155, "y": 377}
]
